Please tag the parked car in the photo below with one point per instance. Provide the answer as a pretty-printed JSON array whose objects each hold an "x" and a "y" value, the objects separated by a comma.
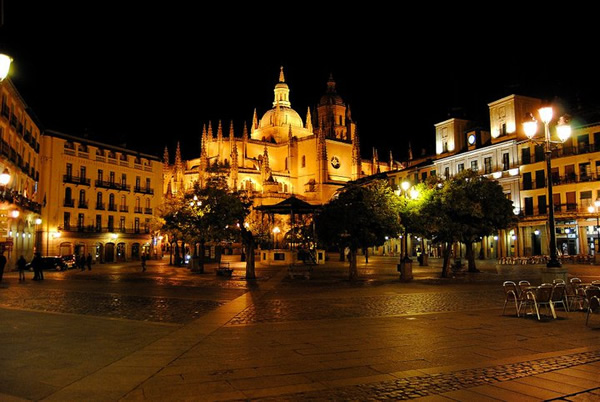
[
  {"x": 70, "y": 261},
  {"x": 50, "y": 263}
]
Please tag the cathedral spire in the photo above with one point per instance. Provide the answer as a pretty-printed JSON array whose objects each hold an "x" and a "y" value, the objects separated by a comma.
[
  {"x": 254, "y": 121},
  {"x": 210, "y": 131},
  {"x": 309, "y": 126},
  {"x": 220, "y": 132},
  {"x": 245, "y": 134},
  {"x": 281, "y": 76},
  {"x": 231, "y": 135},
  {"x": 166, "y": 158},
  {"x": 178, "y": 156},
  {"x": 410, "y": 154}
]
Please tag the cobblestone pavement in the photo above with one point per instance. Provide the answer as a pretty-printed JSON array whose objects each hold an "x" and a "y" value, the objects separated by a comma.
[
  {"x": 155, "y": 309},
  {"x": 372, "y": 306},
  {"x": 424, "y": 385}
]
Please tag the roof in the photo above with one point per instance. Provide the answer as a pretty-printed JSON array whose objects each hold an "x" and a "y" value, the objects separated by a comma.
[{"x": 289, "y": 206}]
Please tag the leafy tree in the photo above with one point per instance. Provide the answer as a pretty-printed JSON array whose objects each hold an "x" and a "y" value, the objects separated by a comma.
[
  {"x": 359, "y": 217},
  {"x": 475, "y": 207}
]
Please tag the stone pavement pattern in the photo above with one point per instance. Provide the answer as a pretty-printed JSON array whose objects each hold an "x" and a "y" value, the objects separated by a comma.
[{"x": 116, "y": 334}]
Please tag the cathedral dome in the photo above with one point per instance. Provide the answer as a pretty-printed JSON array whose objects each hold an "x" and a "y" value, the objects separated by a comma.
[{"x": 282, "y": 117}]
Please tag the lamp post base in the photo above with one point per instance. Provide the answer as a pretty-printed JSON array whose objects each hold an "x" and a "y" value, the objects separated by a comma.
[
  {"x": 549, "y": 274},
  {"x": 405, "y": 269}
]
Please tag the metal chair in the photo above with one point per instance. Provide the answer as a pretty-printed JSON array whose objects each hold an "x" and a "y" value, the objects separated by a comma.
[
  {"x": 524, "y": 286},
  {"x": 559, "y": 292},
  {"x": 592, "y": 295},
  {"x": 512, "y": 294},
  {"x": 540, "y": 296},
  {"x": 575, "y": 294}
]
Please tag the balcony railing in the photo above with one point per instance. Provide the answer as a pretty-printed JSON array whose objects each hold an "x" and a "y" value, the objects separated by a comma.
[
  {"x": 143, "y": 190},
  {"x": 96, "y": 229},
  {"x": 124, "y": 208},
  {"x": 112, "y": 207},
  {"x": 100, "y": 206},
  {"x": 112, "y": 185},
  {"x": 82, "y": 204},
  {"x": 69, "y": 203},
  {"x": 137, "y": 210},
  {"x": 148, "y": 211},
  {"x": 76, "y": 180},
  {"x": 12, "y": 197}
]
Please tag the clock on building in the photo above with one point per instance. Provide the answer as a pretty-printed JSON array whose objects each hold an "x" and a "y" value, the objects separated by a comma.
[
  {"x": 471, "y": 139},
  {"x": 335, "y": 162}
]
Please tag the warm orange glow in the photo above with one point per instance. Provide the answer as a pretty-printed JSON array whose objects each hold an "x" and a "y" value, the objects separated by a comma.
[
  {"x": 546, "y": 114},
  {"x": 5, "y": 62}
]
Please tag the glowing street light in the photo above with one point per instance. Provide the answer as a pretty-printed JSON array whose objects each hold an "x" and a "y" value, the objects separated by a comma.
[
  {"x": 5, "y": 62},
  {"x": 563, "y": 131}
]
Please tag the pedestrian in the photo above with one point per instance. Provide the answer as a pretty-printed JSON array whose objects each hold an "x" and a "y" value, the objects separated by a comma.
[
  {"x": 2, "y": 264},
  {"x": 88, "y": 260},
  {"x": 36, "y": 263},
  {"x": 143, "y": 262},
  {"x": 21, "y": 263}
]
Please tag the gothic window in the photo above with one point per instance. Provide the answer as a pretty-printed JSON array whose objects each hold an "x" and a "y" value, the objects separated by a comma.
[{"x": 303, "y": 161}]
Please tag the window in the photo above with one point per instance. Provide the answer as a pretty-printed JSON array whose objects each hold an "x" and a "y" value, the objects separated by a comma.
[
  {"x": 585, "y": 197},
  {"x": 460, "y": 167},
  {"x": 111, "y": 223},
  {"x": 136, "y": 225},
  {"x": 99, "y": 201},
  {"x": 556, "y": 202},
  {"x": 527, "y": 184},
  {"x": 487, "y": 165},
  {"x": 570, "y": 175},
  {"x": 82, "y": 172},
  {"x": 474, "y": 166},
  {"x": 111, "y": 202},
  {"x": 147, "y": 202},
  {"x": 111, "y": 178},
  {"x": 585, "y": 171},
  {"x": 122, "y": 224},
  {"x": 100, "y": 175},
  {"x": 525, "y": 155},
  {"x": 148, "y": 186},
  {"x": 286, "y": 164},
  {"x": 69, "y": 170},
  {"x": 68, "y": 196},
  {"x": 303, "y": 161},
  {"x": 446, "y": 172},
  {"x": 539, "y": 153},
  {"x": 98, "y": 223},
  {"x": 571, "y": 201},
  {"x": 67, "y": 221},
  {"x": 80, "y": 222},
  {"x": 123, "y": 179},
  {"x": 540, "y": 179},
  {"x": 528, "y": 206},
  {"x": 423, "y": 176},
  {"x": 542, "y": 207},
  {"x": 432, "y": 173},
  {"x": 505, "y": 161},
  {"x": 82, "y": 203},
  {"x": 137, "y": 182}
]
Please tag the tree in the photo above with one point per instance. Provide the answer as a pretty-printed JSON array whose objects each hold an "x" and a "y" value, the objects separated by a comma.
[
  {"x": 202, "y": 215},
  {"x": 360, "y": 216},
  {"x": 477, "y": 207}
]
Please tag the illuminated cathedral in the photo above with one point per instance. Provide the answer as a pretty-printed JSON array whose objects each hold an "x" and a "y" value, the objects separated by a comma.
[{"x": 281, "y": 155}]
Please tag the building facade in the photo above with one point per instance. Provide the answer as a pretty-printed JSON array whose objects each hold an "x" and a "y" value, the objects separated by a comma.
[
  {"x": 20, "y": 168},
  {"x": 281, "y": 154},
  {"x": 98, "y": 199}
]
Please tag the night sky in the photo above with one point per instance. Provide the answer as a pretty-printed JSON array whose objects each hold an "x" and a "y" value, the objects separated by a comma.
[{"x": 148, "y": 74}]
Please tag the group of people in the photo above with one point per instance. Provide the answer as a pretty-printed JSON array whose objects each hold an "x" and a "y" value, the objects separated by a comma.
[{"x": 81, "y": 261}]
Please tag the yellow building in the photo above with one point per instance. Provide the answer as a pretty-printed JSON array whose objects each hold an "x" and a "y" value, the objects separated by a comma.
[
  {"x": 575, "y": 175},
  {"x": 280, "y": 154},
  {"x": 19, "y": 166},
  {"x": 97, "y": 198}
]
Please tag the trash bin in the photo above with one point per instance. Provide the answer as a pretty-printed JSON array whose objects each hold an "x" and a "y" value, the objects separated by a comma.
[{"x": 405, "y": 269}]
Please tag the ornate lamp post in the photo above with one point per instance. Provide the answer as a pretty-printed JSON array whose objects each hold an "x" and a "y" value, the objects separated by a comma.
[
  {"x": 405, "y": 266},
  {"x": 591, "y": 210},
  {"x": 563, "y": 131}
]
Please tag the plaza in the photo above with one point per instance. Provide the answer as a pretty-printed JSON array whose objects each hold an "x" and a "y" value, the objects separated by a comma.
[{"x": 115, "y": 333}]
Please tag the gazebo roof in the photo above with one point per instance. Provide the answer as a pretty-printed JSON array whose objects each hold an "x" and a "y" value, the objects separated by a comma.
[{"x": 289, "y": 206}]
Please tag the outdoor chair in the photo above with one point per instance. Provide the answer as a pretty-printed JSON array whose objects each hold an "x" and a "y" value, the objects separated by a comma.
[
  {"x": 575, "y": 294},
  {"x": 524, "y": 286},
  {"x": 559, "y": 291},
  {"x": 512, "y": 294},
  {"x": 538, "y": 297},
  {"x": 592, "y": 295},
  {"x": 595, "y": 283}
]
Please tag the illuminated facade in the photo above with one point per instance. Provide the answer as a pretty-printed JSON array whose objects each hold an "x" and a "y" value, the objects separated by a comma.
[
  {"x": 281, "y": 154},
  {"x": 98, "y": 199},
  {"x": 19, "y": 160}
]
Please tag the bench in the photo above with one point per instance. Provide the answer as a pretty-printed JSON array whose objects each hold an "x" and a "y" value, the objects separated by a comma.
[
  {"x": 224, "y": 270},
  {"x": 299, "y": 270}
]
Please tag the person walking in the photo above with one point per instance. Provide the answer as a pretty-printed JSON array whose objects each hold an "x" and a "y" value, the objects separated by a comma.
[
  {"x": 88, "y": 261},
  {"x": 2, "y": 264},
  {"x": 143, "y": 262},
  {"x": 36, "y": 263},
  {"x": 21, "y": 263}
]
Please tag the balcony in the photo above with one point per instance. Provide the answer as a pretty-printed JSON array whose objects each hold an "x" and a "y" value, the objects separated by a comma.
[
  {"x": 137, "y": 210},
  {"x": 143, "y": 190},
  {"x": 82, "y": 204},
  {"x": 76, "y": 180},
  {"x": 100, "y": 206},
  {"x": 148, "y": 211},
  {"x": 112, "y": 185},
  {"x": 69, "y": 203},
  {"x": 12, "y": 197},
  {"x": 123, "y": 208},
  {"x": 112, "y": 207}
]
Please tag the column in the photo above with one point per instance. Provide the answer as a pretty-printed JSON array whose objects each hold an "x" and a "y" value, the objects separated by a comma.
[{"x": 583, "y": 239}]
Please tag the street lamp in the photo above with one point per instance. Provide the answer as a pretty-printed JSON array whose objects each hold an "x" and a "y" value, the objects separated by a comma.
[
  {"x": 405, "y": 266},
  {"x": 591, "y": 210},
  {"x": 563, "y": 131},
  {"x": 276, "y": 231},
  {"x": 5, "y": 62}
]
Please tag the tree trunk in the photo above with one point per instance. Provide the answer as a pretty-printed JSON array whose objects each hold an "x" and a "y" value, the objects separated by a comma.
[
  {"x": 353, "y": 270},
  {"x": 342, "y": 259},
  {"x": 171, "y": 254},
  {"x": 470, "y": 256},
  {"x": 200, "y": 268},
  {"x": 366, "y": 251},
  {"x": 176, "y": 254},
  {"x": 250, "y": 245},
  {"x": 446, "y": 254}
]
